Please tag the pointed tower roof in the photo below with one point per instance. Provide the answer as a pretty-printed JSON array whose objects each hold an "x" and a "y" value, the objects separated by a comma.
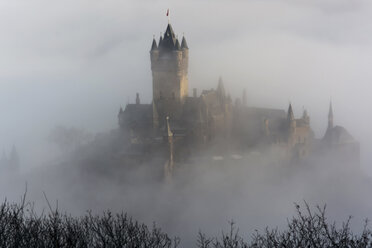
[
  {"x": 177, "y": 46},
  {"x": 330, "y": 116},
  {"x": 169, "y": 32},
  {"x": 169, "y": 39},
  {"x": 330, "y": 112},
  {"x": 220, "y": 84},
  {"x": 154, "y": 46},
  {"x": 220, "y": 87},
  {"x": 304, "y": 115},
  {"x": 290, "y": 115},
  {"x": 160, "y": 40},
  {"x": 184, "y": 43}
]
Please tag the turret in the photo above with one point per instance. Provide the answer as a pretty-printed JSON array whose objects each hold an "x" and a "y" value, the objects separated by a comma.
[
  {"x": 154, "y": 46},
  {"x": 291, "y": 120},
  {"x": 290, "y": 116},
  {"x": 154, "y": 52},
  {"x": 177, "y": 46},
  {"x": 306, "y": 117},
  {"x": 184, "y": 44},
  {"x": 221, "y": 90},
  {"x": 330, "y": 116},
  {"x": 185, "y": 53}
]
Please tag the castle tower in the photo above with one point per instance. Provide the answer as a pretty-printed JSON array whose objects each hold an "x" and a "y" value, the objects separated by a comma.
[
  {"x": 169, "y": 65},
  {"x": 221, "y": 90},
  {"x": 306, "y": 117},
  {"x": 291, "y": 122},
  {"x": 330, "y": 116}
]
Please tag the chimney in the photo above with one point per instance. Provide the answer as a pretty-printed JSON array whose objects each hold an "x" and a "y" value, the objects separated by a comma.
[
  {"x": 138, "y": 101},
  {"x": 194, "y": 92}
]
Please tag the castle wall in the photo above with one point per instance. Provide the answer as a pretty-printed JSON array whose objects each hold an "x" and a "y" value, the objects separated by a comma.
[{"x": 169, "y": 73}]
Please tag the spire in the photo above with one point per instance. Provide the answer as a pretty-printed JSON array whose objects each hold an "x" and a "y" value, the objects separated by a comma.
[
  {"x": 290, "y": 116},
  {"x": 177, "y": 46},
  {"x": 168, "y": 129},
  {"x": 160, "y": 40},
  {"x": 304, "y": 114},
  {"x": 138, "y": 101},
  {"x": 169, "y": 33},
  {"x": 306, "y": 117},
  {"x": 330, "y": 116},
  {"x": 168, "y": 42},
  {"x": 220, "y": 86},
  {"x": 221, "y": 89},
  {"x": 184, "y": 43},
  {"x": 154, "y": 46}
]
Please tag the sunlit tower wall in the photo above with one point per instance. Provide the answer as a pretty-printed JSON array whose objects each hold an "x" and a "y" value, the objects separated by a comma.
[{"x": 169, "y": 65}]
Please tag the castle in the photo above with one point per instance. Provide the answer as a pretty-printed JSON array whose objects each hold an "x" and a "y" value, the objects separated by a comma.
[{"x": 178, "y": 125}]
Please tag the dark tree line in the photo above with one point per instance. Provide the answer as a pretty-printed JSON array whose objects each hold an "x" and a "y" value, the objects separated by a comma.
[
  {"x": 20, "y": 226},
  {"x": 306, "y": 229}
]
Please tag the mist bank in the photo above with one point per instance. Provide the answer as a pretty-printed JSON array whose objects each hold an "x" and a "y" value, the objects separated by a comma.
[{"x": 253, "y": 188}]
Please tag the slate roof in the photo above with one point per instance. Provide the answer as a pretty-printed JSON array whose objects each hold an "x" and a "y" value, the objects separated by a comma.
[
  {"x": 338, "y": 135},
  {"x": 154, "y": 46},
  {"x": 169, "y": 39},
  {"x": 138, "y": 114},
  {"x": 184, "y": 44}
]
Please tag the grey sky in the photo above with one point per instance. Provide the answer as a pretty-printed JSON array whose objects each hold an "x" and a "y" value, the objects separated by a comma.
[{"x": 75, "y": 62}]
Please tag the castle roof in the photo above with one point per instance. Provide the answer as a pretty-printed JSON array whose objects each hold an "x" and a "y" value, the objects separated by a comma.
[
  {"x": 169, "y": 39},
  {"x": 138, "y": 114},
  {"x": 154, "y": 46},
  {"x": 184, "y": 43},
  {"x": 177, "y": 45},
  {"x": 338, "y": 135},
  {"x": 330, "y": 113},
  {"x": 290, "y": 115}
]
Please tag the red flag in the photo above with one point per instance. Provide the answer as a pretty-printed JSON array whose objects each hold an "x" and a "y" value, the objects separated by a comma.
[{"x": 167, "y": 12}]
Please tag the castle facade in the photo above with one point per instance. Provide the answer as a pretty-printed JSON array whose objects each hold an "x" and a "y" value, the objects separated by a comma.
[{"x": 178, "y": 125}]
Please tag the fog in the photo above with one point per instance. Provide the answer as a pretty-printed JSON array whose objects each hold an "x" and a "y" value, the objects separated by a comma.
[{"x": 74, "y": 63}]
